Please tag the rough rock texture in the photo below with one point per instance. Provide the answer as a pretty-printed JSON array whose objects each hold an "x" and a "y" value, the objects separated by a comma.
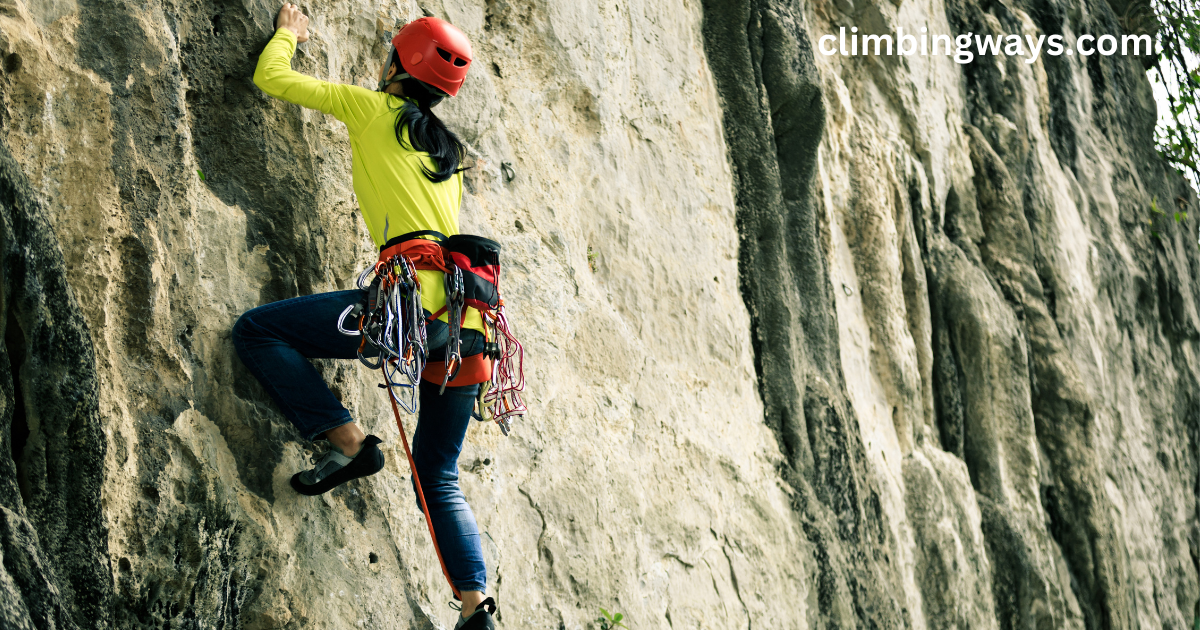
[{"x": 813, "y": 342}]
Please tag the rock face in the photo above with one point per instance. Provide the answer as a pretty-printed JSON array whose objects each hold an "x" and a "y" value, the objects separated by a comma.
[{"x": 813, "y": 341}]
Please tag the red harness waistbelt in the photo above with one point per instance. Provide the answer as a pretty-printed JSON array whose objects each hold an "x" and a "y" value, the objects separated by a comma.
[
  {"x": 476, "y": 368},
  {"x": 429, "y": 255},
  {"x": 425, "y": 254}
]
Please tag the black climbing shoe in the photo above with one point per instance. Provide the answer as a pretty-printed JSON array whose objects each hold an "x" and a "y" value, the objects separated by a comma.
[
  {"x": 333, "y": 468},
  {"x": 481, "y": 619}
]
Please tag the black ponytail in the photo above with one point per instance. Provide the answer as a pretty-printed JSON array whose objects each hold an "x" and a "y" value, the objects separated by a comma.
[{"x": 426, "y": 131}]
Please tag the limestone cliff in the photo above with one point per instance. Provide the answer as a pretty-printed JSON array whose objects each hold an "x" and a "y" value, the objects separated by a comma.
[{"x": 813, "y": 342}]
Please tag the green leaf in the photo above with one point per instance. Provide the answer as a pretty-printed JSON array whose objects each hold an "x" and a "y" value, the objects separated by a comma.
[
  {"x": 1178, "y": 135},
  {"x": 606, "y": 615},
  {"x": 1180, "y": 217},
  {"x": 200, "y": 173},
  {"x": 618, "y": 617}
]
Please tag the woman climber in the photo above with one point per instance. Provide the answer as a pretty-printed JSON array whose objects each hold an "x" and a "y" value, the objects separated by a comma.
[{"x": 407, "y": 178}]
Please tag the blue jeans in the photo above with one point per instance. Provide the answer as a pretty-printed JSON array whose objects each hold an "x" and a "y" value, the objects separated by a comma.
[{"x": 276, "y": 341}]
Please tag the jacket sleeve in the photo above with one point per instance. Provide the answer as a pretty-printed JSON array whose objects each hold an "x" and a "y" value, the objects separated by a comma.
[{"x": 274, "y": 75}]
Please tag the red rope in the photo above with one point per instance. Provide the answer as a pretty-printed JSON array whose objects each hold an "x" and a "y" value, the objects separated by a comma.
[
  {"x": 420, "y": 493},
  {"x": 508, "y": 374}
]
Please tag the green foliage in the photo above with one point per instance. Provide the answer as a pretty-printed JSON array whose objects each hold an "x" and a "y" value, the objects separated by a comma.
[
  {"x": 1178, "y": 39},
  {"x": 200, "y": 173},
  {"x": 608, "y": 622},
  {"x": 1158, "y": 213},
  {"x": 1155, "y": 213}
]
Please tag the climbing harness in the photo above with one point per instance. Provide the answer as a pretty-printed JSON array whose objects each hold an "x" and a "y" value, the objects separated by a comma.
[
  {"x": 392, "y": 321},
  {"x": 471, "y": 271}
]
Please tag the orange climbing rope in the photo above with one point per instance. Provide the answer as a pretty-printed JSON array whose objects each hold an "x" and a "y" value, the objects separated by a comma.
[{"x": 417, "y": 482}]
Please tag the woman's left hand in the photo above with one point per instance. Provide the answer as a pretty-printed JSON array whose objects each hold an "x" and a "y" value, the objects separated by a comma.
[{"x": 291, "y": 18}]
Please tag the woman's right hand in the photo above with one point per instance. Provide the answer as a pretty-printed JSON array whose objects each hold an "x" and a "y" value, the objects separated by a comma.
[{"x": 293, "y": 20}]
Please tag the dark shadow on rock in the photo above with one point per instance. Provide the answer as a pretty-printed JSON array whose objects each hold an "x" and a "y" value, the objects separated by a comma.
[
  {"x": 762, "y": 60},
  {"x": 52, "y": 532},
  {"x": 253, "y": 153}
]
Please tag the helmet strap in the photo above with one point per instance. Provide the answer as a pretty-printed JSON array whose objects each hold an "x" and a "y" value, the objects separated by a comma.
[
  {"x": 393, "y": 60},
  {"x": 396, "y": 79}
]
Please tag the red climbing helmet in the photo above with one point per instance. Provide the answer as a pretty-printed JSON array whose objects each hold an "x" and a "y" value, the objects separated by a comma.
[{"x": 434, "y": 52}]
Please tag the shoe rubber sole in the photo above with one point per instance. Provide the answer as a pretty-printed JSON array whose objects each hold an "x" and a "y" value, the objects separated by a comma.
[
  {"x": 481, "y": 619},
  {"x": 368, "y": 461}
]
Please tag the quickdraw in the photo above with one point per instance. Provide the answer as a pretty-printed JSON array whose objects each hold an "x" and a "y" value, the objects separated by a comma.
[
  {"x": 455, "y": 301},
  {"x": 393, "y": 326}
]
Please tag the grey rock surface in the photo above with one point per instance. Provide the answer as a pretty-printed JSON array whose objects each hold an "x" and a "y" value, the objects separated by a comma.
[{"x": 813, "y": 341}]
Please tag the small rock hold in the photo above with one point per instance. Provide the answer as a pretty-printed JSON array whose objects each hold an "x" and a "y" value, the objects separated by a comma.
[
  {"x": 12, "y": 63},
  {"x": 373, "y": 558}
]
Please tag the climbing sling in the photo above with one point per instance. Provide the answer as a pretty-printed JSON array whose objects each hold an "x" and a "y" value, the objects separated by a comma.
[{"x": 392, "y": 322}]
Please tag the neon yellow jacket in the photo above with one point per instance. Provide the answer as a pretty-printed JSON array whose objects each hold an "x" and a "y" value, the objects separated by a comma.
[{"x": 393, "y": 193}]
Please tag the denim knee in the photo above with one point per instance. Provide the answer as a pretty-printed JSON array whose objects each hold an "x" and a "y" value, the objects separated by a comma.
[
  {"x": 245, "y": 331},
  {"x": 239, "y": 328},
  {"x": 437, "y": 487}
]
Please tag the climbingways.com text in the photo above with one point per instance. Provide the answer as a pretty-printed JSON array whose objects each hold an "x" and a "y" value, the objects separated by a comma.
[{"x": 965, "y": 47}]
